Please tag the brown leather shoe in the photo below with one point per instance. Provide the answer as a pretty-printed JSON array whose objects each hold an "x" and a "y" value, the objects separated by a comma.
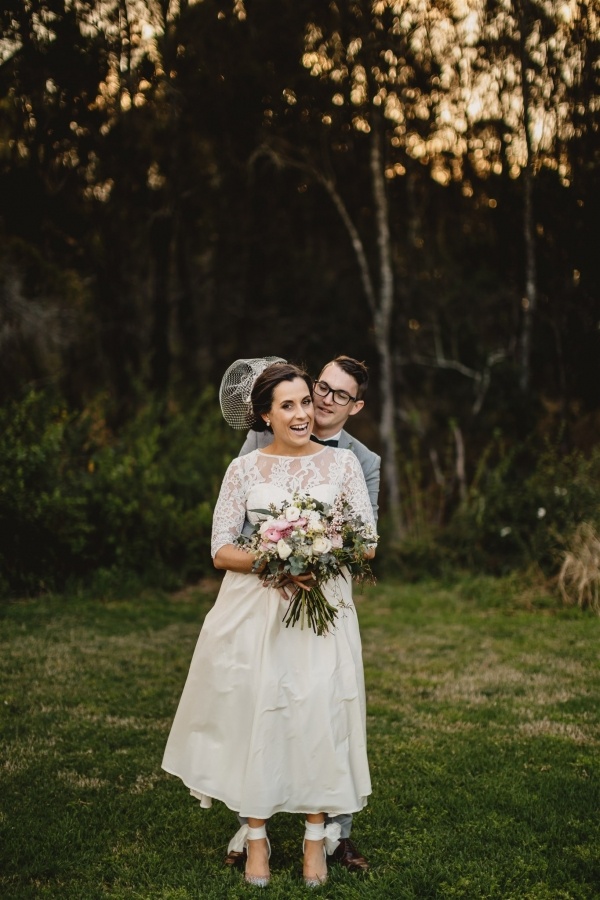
[
  {"x": 348, "y": 855},
  {"x": 236, "y": 860}
]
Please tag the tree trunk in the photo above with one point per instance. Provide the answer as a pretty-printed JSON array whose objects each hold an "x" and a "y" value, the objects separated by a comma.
[
  {"x": 529, "y": 301},
  {"x": 381, "y": 302},
  {"x": 160, "y": 242},
  {"x": 383, "y": 322},
  {"x": 460, "y": 467},
  {"x": 187, "y": 324}
]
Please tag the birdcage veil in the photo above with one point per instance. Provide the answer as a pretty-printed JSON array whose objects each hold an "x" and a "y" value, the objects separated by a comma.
[{"x": 236, "y": 388}]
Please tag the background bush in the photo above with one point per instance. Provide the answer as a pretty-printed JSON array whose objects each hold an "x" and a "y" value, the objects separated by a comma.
[
  {"x": 523, "y": 505},
  {"x": 80, "y": 502},
  {"x": 524, "y": 509}
]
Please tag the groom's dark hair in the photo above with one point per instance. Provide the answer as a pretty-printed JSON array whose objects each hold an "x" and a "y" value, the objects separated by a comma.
[
  {"x": 265, "y": 384},
  {"x": 355, "y": 369}
]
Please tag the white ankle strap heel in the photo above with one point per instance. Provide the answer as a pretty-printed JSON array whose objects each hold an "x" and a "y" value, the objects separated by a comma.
[
  {"x": 314, "y": 831},
  {"x": 256, "y": 834}
]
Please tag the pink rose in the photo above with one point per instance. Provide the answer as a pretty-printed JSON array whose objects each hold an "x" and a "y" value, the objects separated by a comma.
[
  {"x": 274, "y": 525},
  {"x": 276, "y": 533},
  {"x": 281, "y": 525}
]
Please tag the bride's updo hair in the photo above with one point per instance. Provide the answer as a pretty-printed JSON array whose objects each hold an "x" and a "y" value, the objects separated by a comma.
[{"x": 264, "y": 386}]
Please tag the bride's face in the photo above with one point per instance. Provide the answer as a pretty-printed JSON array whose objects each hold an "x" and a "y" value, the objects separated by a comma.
[{"x": 291, "y": 414}]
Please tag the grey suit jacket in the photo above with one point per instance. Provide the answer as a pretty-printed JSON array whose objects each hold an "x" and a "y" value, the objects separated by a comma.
[{"x": 370, "y": 463}]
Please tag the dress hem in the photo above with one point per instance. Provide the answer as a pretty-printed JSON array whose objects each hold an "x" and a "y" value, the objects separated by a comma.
[{"x": 278, "y": 809}]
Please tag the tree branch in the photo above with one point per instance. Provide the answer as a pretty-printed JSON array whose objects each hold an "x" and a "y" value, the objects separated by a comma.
[
  {"x": 439, "y": 361},
  {"x": 283, "y": 159}
]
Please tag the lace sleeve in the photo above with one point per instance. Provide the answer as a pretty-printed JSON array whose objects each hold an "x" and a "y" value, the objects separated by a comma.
[
  {"x": 230, "y": 509},
  {"x": 355, "y": 489}
]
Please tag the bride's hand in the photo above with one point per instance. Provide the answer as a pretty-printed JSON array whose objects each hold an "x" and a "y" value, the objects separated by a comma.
[
  {"x": 287, "y": 584},
  {"x": 306, "y": 582}
]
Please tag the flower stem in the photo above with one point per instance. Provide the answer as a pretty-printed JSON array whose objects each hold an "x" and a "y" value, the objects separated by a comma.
[{"x": 311, "y": 605}]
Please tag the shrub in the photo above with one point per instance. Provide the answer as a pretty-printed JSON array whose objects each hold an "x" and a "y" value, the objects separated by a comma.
[
  {"x": 43, "y": 524},
  {"x": 579, "y": 576},
  {"x": 76, "y": 499},
  {"x": 523, "y": 504},
  {"x": 523, "y": 509}
]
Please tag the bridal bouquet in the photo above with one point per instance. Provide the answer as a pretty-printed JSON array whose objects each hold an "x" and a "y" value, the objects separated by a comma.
[{"x": 301, "y": 545}]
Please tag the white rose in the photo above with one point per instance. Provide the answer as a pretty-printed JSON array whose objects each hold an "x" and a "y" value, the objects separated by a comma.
[
  {"x": 292, "y": 513},
  {"x": 314, "y": 522},
  {"x": 321, "y": 545},
  {"x": 283, "y": 549}
]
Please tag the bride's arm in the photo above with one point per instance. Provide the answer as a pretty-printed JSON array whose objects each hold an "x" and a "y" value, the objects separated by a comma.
[
  {"x": 228, "y": 520},
  {"x": 233, "y": 558}
]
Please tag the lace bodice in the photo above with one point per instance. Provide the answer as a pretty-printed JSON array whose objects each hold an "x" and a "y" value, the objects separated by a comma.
[{"x": 258, "y": 479}]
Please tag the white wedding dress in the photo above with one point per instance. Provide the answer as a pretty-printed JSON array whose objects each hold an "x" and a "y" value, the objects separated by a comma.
[{"x": 272, "y": 718}]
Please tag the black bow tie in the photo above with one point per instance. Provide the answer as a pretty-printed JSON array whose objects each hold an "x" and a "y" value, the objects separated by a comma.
[{"x": 325, "y": 443}]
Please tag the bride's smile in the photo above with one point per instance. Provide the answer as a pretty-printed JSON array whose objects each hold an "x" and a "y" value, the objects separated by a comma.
[{"x": 291, "y": 418}]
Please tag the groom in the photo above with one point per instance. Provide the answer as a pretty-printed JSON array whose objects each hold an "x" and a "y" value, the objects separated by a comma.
[{"x": 338, "y": 394}]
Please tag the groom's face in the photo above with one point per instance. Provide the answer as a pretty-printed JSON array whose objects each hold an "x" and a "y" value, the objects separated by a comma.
[{"x": 330, "y": 417}]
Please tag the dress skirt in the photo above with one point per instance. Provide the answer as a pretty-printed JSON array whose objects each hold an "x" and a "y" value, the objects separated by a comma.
[{"x": 273, "y": 719}]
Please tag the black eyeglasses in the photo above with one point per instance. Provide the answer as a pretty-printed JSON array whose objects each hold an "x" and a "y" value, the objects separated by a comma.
[{"x": 342, "y": 398}]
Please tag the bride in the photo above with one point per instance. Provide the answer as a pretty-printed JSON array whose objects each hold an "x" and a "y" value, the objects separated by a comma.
[{"x": 273, "y": 719}]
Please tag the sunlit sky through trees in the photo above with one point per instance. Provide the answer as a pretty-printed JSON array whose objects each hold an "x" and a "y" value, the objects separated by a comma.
[
  {"x": 474, "y": 103},
  {"x": 419, "y": 177}
]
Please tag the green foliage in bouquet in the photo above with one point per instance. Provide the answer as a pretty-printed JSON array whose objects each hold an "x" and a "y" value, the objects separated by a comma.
[{"x": 303, "y": 544}]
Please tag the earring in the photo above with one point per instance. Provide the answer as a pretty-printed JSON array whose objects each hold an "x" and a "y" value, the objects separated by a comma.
[{"x": 268, "y": 423}]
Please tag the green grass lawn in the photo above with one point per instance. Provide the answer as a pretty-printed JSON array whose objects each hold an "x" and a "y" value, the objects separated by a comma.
[{"x": 484, "y": 732}]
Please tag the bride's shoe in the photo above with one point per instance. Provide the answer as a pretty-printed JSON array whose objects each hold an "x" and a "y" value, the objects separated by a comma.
[
  {"x": 256, "y": 834},
  {"x": 315, "y": 832}
]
